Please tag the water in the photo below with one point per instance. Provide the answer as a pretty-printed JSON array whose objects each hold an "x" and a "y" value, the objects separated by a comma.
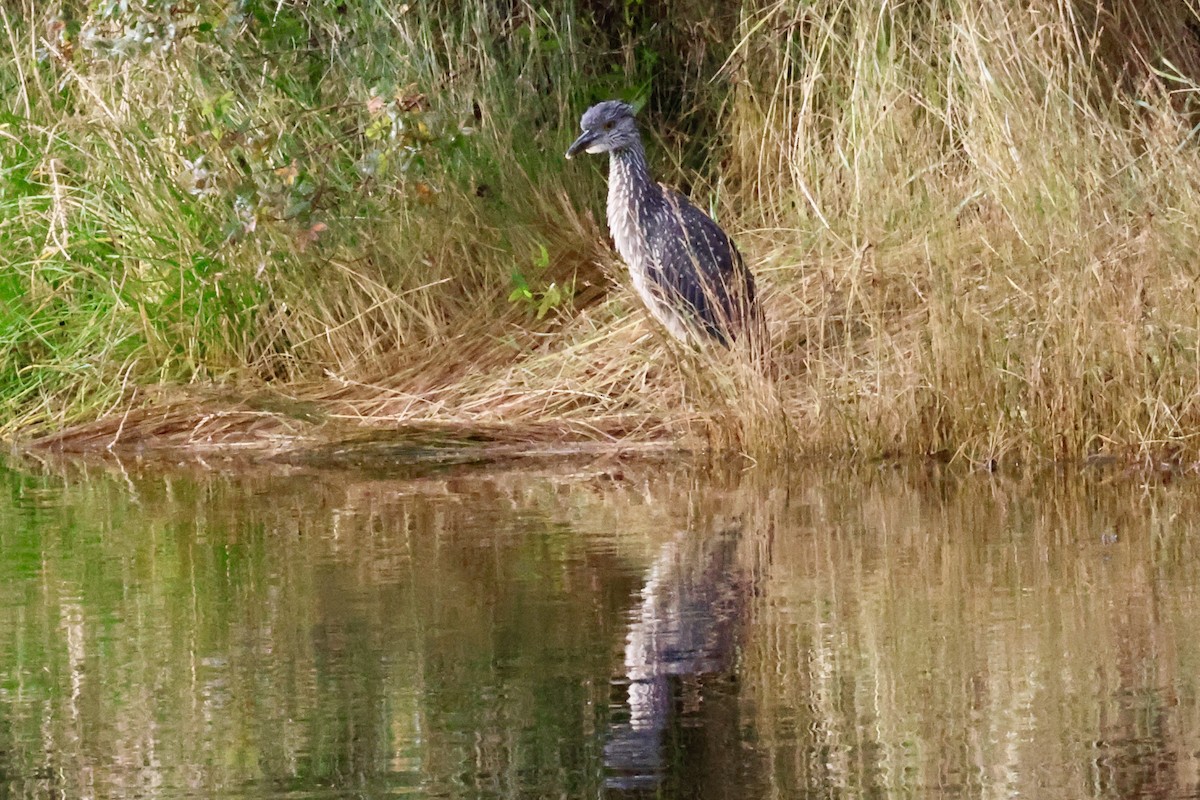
[{"x": 597, "y": 630}]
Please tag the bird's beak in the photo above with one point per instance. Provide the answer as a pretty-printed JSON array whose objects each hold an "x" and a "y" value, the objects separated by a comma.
[{"x": 581, "y": 144}]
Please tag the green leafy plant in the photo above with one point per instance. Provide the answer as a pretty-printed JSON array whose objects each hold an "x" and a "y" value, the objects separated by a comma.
[{"x": 546, "y": 298}]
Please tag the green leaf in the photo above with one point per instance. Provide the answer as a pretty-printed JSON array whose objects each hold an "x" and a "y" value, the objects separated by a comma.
[
  {"x": 378, "y": 127},
  {"x": 551, "y": 298}
]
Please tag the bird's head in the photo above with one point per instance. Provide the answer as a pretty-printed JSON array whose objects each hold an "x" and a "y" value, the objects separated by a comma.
[{"x": 607, "y": 127}]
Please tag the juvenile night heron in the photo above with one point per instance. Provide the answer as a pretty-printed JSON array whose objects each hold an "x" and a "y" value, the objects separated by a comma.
[{"x": 685, "y": 268}]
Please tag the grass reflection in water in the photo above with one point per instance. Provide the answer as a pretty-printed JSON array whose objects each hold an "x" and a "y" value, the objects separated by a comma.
[{"x": 604, "y": 629}]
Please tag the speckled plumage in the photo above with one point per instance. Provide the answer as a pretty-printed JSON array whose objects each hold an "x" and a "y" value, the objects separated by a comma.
[{"x": 683, "y": 266}]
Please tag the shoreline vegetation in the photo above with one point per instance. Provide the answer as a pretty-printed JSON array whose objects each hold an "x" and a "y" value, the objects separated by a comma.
[{"x": 251, "y": 224}]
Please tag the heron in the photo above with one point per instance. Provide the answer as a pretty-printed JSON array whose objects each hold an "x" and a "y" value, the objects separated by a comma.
[{"x": 684, "y": 267}]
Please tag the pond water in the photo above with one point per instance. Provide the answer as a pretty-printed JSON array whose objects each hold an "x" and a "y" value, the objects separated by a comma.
[{"x": 597, "y": 629}]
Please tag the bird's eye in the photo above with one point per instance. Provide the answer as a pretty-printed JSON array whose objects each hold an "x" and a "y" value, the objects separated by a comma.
[{"x": 608, "y": 126}]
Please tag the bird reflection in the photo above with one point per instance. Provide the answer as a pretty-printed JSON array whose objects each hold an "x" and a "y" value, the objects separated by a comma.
[{"x": 685, "y": 626}]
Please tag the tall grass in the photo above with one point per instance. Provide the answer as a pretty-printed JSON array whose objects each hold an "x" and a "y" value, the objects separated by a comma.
[
  {"x": 971, "y": 221},
  {"x": 979, "y": 217}
]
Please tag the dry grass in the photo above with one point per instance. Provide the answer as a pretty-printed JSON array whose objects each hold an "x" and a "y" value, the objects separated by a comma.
[{"x": 972, "y": 224}]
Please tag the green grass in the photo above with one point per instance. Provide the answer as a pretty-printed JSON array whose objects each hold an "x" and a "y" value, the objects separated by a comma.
[{"x": 973, "y": 222}]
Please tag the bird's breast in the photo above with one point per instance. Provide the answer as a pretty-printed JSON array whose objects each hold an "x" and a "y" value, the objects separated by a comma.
[
  {"x": 624, "y": 208},
  {"x": 628, "y": 206}
]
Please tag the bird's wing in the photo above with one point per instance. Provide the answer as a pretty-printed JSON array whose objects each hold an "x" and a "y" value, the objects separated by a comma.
[{"x": 696, "y": 267}]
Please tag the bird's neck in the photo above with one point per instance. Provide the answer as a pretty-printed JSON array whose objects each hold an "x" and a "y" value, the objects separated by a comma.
[
  {"x": 632, "y": 195},
  {"x": 629, "y": 166}
]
